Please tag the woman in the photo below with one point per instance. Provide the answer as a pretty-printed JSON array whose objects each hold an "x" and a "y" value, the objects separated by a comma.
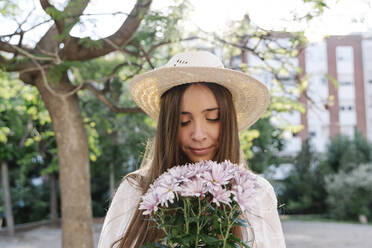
[{"x": 200, "y": 107}]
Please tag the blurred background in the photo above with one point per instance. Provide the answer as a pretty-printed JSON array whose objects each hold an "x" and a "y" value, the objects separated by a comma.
[{"x": 69, "y": 130}]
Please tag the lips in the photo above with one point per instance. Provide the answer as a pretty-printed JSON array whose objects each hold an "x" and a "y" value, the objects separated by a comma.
[{"x": 200, "y": 151}]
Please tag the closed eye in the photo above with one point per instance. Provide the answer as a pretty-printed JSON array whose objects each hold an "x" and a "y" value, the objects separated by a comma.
[
  {"x": 185, "y": 123},
  {"x": 213, "y": 120}
]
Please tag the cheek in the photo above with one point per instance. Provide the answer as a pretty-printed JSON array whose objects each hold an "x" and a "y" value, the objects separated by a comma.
[
  {"x": 215, "y": 134},
  {"x": 181, "y": 137}
]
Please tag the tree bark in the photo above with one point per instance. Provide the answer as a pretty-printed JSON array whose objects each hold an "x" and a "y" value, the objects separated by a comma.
[
  {"x": 53, "y": 199},
  {"x": 73, "y": 158},
  {"x": 7, "y": 198}
]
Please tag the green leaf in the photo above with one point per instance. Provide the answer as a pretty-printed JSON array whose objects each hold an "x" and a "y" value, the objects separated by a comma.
[
  {"x": 210, "y": 239},
  {"x": 186, "y": 240},
  {"x": 193, "y": 219}
]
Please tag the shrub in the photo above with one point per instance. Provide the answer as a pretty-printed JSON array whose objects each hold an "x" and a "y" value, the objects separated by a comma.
[
  {"x": 350, "y": 193},
  {"x": 304, "y": 191},
  {"x": 346, "y": 154}
]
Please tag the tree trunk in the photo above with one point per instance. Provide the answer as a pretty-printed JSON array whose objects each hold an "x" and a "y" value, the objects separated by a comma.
[
  {"x": 53, "y": 199},
  {"x": 73, "y": 159},
  {"x": 7, "y": 199},
  {"x": 112, "y": 179}
]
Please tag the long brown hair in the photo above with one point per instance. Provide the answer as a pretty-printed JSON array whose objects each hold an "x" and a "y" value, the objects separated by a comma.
[{"x": 168, "y": 153}]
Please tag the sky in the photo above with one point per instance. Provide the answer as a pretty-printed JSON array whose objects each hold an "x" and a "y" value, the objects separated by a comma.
[{"x": 343, "y": 17}]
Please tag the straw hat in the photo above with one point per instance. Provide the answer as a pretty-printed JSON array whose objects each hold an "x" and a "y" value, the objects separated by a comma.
[{"x": 250, "y": 96}]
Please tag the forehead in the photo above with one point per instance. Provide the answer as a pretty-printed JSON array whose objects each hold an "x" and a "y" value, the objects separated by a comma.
[{"x": 198, "y": 97}]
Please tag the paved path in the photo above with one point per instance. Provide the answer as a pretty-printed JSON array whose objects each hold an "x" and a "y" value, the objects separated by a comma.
[{"x": 298, "y": 234}]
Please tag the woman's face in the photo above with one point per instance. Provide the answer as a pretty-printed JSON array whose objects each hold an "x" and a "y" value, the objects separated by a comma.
[{"x": 199, "y": 127}]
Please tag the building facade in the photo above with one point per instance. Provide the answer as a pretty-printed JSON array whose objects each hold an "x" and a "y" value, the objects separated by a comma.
[
  {"x": 339, "y": 94},
  {"x": 338, "y": 98}
]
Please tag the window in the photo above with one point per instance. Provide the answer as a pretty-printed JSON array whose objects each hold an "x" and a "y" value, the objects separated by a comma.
[
  {"x": 346, "y": 83},
  {"x": 347, "y": 108}
]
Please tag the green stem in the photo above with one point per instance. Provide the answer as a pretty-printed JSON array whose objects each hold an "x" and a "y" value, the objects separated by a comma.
[
  {"x": 162, "y": 221},
  {"x": 185, "y": 213},
  {"x": 197, "y": 225},
  {"x": 229, "y": 225}
]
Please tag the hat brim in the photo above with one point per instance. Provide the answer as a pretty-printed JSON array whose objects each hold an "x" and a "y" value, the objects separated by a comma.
[{"x": 251, "y": 97}]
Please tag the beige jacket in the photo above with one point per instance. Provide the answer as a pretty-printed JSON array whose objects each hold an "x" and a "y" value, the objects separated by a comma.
[{"x": 264, "y": 219}]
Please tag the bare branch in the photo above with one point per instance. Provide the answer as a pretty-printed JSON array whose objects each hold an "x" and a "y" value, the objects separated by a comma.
[
  {"x": 243, "y": 47},
  {"x": 43, "y": 74},
  {"x": 31, "y": 69},
  {"x": 65, "y": 19},
  {"x": 7, "y": 47},
  {"x": 107, "y": 86},
  {"x": 17, "y": 32},
  {"x": 109, "y": 14},
  {"x": 147, "y": 54},
  {"x": 73, "y": 11},
  {"x": 31, "y": 56},
  {"x": 48, "y": 7},
  {"x": 121, "y": 49},
  {"x": 74, "y": 50},
  {"x": 106, "y": 79},
  {"x": 147, "y": 57},
  {"x": 101, "y": 96}
]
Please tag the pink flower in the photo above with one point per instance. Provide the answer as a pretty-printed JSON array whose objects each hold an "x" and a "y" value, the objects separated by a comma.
[
  {"x": 230, "y": 167},
  {"x": 242, "y": 176},
  {"x": 198, "y": 169},
  {"x": 166, "y": 189},
  {"x": 180, "y": 174},
  {"x": 149, "y": 202},
  {"x": 196, "y": 180},
  {"x": 217, "y": 176},
  {"x": 243, "y": 198},
  {"x": 195, "y": 187},
  {"x": 243, "y": 190},
  {"x": 221, "y": 196}
]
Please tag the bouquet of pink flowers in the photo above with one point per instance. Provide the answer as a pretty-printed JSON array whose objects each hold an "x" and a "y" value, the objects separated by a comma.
[{"x": 196, "y": 205}]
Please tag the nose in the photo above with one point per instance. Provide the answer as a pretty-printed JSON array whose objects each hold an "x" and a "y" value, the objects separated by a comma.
[{"x": 198, "y": 133}]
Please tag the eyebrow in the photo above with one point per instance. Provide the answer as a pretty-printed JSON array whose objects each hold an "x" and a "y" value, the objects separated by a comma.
[{"x": 206, "y": 110}]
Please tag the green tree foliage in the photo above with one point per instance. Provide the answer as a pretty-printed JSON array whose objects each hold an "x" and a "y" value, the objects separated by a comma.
[
  {"x": 336, "y": 183},
  {"x": 346, "y": 154},
  {"x": 349, "y": 183},
  {"x": 261, "y": 145},
  {"x": 350, "y": 193},
  {"x": 304, "y": 190},
  {"x": 27, "y": 144}
]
